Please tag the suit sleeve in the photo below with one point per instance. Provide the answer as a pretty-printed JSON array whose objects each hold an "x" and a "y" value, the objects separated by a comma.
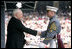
[{"x": 22, "y": 28}]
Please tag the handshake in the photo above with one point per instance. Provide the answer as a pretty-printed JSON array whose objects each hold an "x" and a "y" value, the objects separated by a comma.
[{"x": 39, "y": 33}]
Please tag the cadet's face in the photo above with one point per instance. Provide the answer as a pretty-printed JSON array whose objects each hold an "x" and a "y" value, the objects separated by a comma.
[{"x": 50, "y": 13}]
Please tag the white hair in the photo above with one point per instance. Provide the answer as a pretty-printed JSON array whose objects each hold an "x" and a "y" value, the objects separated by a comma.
[{"x": 15, "y": 11}]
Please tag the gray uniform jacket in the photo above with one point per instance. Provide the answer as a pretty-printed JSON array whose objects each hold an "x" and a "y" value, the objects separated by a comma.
[{"x": 53, "y": 29}]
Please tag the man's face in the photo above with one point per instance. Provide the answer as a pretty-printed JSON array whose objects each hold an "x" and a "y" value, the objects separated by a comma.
[
  {"x": 19, "y": 14},
  {"x": 50, "y": 13}
]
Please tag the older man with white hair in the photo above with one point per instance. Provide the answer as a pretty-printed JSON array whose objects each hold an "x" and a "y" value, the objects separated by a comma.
[{"x": 15, "y": 29}]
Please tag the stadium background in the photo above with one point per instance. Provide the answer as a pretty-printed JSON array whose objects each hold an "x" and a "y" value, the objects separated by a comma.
[{"x": 35, "y": 13}]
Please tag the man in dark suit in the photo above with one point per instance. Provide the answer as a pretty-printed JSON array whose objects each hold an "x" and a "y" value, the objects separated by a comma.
[{"x": 15, "y": 29}]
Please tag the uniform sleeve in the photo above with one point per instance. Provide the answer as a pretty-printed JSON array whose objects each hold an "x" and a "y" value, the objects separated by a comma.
[
  {"x": 22, "y": 28},
  {"x": 43, "y": 34},
  {"x": 52, "y": 30}
]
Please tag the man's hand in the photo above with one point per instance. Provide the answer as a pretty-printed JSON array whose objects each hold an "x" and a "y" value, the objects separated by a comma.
[
  {"x": 38, "y": 33},
  {"x": 27, "y": 42}
]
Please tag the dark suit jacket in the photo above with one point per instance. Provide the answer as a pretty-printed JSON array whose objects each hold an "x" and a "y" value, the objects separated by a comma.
[{"x": 15, "y": 35}]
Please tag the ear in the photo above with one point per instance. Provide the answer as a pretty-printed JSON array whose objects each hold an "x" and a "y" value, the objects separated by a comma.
[{"x": 16, "y": 14}]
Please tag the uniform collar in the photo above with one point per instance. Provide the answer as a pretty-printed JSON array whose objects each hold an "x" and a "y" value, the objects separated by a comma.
[{"x": 51, "y": 18}]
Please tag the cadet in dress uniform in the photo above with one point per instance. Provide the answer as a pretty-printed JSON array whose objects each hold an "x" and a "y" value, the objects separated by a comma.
[{"x": 53, "y": 29}]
